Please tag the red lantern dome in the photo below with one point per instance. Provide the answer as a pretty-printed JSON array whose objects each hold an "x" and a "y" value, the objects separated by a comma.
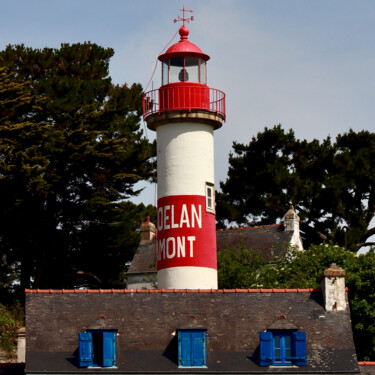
[
  {"x": 184, "y": 62},
  {"x": 184, "y": 48},
  {"x": 184, "y": 81}
]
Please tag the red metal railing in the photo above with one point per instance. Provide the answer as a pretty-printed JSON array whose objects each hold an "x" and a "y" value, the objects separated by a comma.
[{"x": 183, "y": 97}]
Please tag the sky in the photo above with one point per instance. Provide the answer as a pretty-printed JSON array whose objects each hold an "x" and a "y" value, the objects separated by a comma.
[{"x": 307, "y": 64}]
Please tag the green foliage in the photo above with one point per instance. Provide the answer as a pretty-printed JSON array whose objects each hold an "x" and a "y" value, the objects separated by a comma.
[
  {"x": 71, "y": 150},
  {"x": 8, "y": 330},
  {"x": 239, "y": 267},
  {"x": 331, "y": 185},
  {"x": 303, "y": 269},
  {"x": 361, "y": 283}
]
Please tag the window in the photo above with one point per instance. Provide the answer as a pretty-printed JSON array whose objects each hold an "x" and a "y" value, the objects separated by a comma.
[
  {"x": 97, "y": 348},
  {"x": 192, "y": 67},
  {"x": 165, "y": 71},
  {"x": 282, "y": 343},
  {"x": 210, "y": 197},
  {"x": 176, "y": 65},
  {"x": 282, "y": 348},
  {"x": 192, "y": 348},
  {"x": 202, "y": 71},
  {"x": 183, "y": 69}
]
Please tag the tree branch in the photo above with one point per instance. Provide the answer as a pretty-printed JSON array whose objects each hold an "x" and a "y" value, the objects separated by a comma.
[
  {"x": 370, "y": 232},
  {"x": 363, "y": 244}
]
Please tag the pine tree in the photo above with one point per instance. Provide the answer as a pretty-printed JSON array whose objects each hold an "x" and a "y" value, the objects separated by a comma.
[
  {"x": 68, "y": 164},
  {"x": 330, "y": 184}
]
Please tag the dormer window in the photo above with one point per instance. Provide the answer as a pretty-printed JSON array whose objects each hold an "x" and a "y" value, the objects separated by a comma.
[
  {"x": 282, "y": 344},
  {"x": 192, "y": 348},
  {"x": 282, "y": 348},
  {"x": 97, "y": 348}
]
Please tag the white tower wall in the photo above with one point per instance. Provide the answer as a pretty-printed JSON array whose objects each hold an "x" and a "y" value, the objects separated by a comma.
[{"x": 185, "y": 152}]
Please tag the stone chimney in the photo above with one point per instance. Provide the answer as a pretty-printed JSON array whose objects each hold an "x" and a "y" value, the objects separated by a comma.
[
  {"x": 291, "y": 224},
  {"x": 291, "y": 220},
  {"x": 21, "y": 345},
  {"x": 333, "y": 288},
  {"x": 148, "y": 231}
]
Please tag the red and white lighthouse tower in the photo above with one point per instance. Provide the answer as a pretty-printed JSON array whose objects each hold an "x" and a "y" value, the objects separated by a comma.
[{"x": 184, "y": 112}]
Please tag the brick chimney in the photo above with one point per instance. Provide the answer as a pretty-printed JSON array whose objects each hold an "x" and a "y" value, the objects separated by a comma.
[
  {"x": 148, "y": 231},
  {"x": 333, "y": 287}
]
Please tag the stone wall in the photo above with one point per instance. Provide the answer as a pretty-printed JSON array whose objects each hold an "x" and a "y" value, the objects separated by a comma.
[{"x": 367, "y": 368}]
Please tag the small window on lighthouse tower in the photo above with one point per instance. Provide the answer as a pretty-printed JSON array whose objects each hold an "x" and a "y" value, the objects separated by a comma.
[{"x": 210, "y": 197}]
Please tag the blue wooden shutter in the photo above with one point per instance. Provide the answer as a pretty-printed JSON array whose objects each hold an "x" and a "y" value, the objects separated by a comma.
[
  {"x": 85, "y": 349},
  {"x": 266, "y": 350},
  {"x": 184, "y": 348},
  {"x": 109, "y": 348},
  {"x": 198, "y": 350},
  {"x": 300, "y": 348}
]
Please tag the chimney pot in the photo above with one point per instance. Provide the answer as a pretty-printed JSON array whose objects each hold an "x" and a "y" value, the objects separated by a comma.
[{"x": 148, "y": 231}]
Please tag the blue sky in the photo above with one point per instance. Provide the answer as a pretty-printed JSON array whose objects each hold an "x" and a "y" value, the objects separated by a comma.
[{"x": 309, "y": 65}]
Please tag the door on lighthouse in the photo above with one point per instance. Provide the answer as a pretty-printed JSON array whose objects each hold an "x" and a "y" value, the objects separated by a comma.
[{"x": 192, "y": 348}]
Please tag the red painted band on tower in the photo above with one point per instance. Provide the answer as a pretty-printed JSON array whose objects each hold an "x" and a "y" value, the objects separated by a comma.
[{"x": 186, "y": 233}]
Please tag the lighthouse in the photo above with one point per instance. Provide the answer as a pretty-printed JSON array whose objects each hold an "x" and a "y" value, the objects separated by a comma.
[{"x": 184, "y": 112}]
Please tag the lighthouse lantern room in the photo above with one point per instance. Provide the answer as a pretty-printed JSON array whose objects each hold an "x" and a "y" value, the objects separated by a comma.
[{"x": 184, "y": 112}]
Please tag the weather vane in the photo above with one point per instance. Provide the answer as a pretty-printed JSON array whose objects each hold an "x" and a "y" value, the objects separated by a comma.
[{"x": 183, "y": 19}]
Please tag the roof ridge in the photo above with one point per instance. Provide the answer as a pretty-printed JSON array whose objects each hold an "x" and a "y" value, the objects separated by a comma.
[
  {"x": 106, "y": 291},
  {"x": 249, "y": 227}
]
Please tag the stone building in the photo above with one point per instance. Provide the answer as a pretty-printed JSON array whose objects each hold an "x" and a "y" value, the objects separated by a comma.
[
  {"x": 270, "y": 240},
  {"x": 256, "y": 331}
]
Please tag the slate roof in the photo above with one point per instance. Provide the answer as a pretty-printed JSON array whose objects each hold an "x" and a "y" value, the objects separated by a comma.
[
  {"x": 282, "y": 323},
  {"x": 144, "y": 260},
  {"x": 147, "y": 321},
  {"x": 101, "y": 323},
  {"x": 268, "y": 239}
]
